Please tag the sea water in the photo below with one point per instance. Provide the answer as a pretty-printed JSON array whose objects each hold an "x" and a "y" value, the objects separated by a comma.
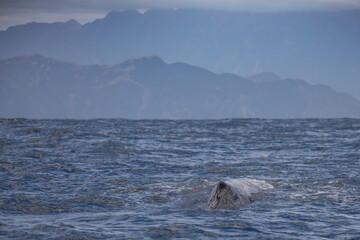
[{"x": 116, "y": 179}]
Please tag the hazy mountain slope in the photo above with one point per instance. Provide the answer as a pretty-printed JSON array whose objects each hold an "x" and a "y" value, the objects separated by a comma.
[
  {"x": 39, "y": 87},
  {"x": 321, "y": 47}
]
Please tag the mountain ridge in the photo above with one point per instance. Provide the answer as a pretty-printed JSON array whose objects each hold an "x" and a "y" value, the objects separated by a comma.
[
  {"x": 321, "y": 47},
  {"x": 35, "y": 86}
]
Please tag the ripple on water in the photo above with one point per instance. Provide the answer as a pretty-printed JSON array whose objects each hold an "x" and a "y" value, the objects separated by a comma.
[{"x": 152, "y": 179}]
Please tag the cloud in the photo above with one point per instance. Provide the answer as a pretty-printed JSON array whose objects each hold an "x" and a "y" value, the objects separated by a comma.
[
  {"x": 239, "y": 5},
  {"x": 13, "y": 12}
]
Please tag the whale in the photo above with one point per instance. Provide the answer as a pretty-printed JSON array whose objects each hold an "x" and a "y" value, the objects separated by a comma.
[{"x": 232, "y": 194}]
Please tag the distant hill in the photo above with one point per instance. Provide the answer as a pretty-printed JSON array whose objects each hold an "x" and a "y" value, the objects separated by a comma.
[
  {"x": 148, "y": 88},
  {"x": 321, "y": 47}
]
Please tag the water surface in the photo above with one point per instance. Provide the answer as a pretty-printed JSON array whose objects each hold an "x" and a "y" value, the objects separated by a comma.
[{"x": 152, "y": 179}]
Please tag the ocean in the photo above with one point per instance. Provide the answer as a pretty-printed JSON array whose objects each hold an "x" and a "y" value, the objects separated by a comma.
[{"x": 151, "y": 179}]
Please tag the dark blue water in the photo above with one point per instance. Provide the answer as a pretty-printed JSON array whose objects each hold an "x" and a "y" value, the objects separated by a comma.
[{"x": 151, "y": 179}]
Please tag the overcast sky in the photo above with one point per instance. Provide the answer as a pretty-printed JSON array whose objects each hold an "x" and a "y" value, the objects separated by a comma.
[{"x": 14, "y": 12}]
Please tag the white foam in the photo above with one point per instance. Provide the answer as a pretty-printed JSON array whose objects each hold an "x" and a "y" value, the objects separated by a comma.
[
  {"x": 247, "y": 186},
  {"x": 328, "y": 192},
  {"x": 262, "y": 185}
]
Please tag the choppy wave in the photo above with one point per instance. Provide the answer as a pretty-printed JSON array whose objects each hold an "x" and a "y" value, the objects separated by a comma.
[{"x": 152, "y": 179}]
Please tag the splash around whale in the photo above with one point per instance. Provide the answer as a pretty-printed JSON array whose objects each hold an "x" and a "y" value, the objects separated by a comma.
[{"x": 234, "y": 193}]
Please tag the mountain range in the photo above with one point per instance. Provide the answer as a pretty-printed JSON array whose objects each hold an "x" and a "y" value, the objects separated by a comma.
[
  {"x": 321, "y": 47},
  {"x": 34, "y": 86}
]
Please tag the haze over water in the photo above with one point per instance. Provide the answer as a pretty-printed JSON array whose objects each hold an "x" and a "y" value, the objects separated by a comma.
[
  {"x": 151, "y": 179},
  {"x": 243, "y": 63}
]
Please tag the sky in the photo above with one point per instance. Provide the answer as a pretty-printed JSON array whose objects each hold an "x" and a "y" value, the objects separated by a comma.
[{"x": 15, "y": 12}]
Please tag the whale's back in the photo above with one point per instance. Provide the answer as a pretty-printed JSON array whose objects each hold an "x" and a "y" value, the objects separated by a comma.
[{"x": 232, "y": 193}]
